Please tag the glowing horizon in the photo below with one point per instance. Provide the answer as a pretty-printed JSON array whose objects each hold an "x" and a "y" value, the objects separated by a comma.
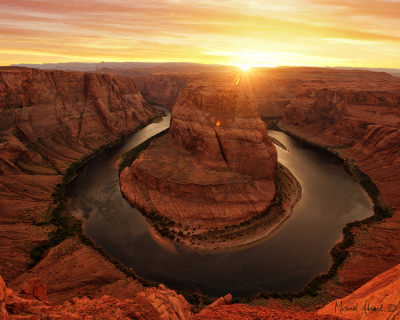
[{"x": 259, "y": 33}]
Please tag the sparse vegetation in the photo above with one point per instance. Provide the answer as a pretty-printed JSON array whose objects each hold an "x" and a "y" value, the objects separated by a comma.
[{"x": 65, "y": 225}]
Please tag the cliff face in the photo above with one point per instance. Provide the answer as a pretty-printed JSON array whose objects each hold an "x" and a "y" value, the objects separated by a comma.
[
  {"x": 50, "y": 111},
  {"x": 163, "y": 89},
  {"x": 201, "y": 175},
  {"x": 362, "y": 125},
  {"x": 50, "y": 119},
  {"x": 219, "y": 123}
]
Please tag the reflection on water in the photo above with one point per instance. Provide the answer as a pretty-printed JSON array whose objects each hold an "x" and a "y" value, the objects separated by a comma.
[{"x": 286, "y": 261}]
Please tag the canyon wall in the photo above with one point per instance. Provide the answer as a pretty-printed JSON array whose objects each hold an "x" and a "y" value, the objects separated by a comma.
[
  {"x": 272, "y": 88},
  {"x": 163, "y": 89},
  {"x": 360, "y": 121},
  {"x": 200, "y": 175},
  {"x": 48, "y": 120}
]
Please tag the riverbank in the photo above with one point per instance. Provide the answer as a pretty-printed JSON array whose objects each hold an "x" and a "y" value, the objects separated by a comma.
[
  {"x": 343, "y": 253},
  {"x": 65, "y": 223}
]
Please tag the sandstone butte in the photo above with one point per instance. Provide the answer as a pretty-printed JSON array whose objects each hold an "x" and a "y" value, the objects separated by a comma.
[
  {"x": 200, "y": 175},
  {"x": 50, "y": 119}
]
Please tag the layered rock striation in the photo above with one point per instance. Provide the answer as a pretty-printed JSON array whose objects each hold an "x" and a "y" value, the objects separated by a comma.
[
  {"x": 216, "y": 166},
  {"x": 361, "y": 123},
  {"x": 152, "y": 304},
  {"x": 48, "y": 120}
]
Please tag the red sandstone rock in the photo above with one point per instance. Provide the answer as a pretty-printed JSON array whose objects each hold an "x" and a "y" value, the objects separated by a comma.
[
  {"x": 361, "y": 123},
  {"x": 358, "y": 110},
  {"x": 3, "y": 300},
  {"x": 152, "y": 304},
  {"x": 163, "y": 89},
  {"x": 273, "y": 88},
  {"x": 245, "y": 312},
  {"x": 35, "y": 288},
  {"x": 49, "y": 119},
  {"x": 215, "y": 168},
  {"x": 72, "y": 269},
  {"x": 226, "y": 300},
  {"x": 378, "y": 299},
  {"x": 162, "y": 303}
]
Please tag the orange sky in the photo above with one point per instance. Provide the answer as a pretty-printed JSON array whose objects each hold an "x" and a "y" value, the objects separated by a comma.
[{"x": 254, "y": 32}]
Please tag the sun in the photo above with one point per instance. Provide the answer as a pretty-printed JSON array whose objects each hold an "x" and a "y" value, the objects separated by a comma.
[{"x": 244, "y": 67}]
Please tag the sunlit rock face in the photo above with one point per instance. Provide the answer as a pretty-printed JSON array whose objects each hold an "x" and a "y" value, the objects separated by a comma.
[
  {"x": 48, "y": 120},
  {"x": 151, "y": 304},
  {"x": 358, "y": 117},
  {"x": 215, "y": 167}
]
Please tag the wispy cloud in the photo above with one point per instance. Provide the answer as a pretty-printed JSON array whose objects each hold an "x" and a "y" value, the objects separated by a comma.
[{"x": 308, "y": 32}]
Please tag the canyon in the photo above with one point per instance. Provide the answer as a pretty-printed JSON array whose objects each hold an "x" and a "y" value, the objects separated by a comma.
[
  {"x": 351, "y": 113},
  {"x": 360, "y": 123},
  {"x": 51, "y": 119},
  {"x": 199, "y": 161}
]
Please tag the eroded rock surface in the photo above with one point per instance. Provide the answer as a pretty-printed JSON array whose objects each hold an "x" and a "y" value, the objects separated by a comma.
[
  {"x": 216, "y": 166},
  {"x": 360, "y": 121},
  {"x": 49, "y": 119},
  {"x": 152, "y": 304},
  {"x": 242, "y": 311},
  {"x": 378, "y": 299}
]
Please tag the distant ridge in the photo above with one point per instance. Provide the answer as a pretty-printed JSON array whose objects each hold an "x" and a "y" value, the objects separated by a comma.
[
  {"x": 163, "y": 66},
  {"x": 97, "y": 66},
  {"x": 394, "y": 72}
]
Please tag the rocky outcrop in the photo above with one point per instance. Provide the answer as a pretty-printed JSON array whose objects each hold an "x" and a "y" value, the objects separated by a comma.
[
  {"x": 377, "y": 299},
  {"x": 3, "y": 299},
  {"x": 48, "y": 120},
  {"x": 223, "y": 301},
  {"x": 200, "y": 175},
  {"x": 72, "y": 269},
  {"x": 162, "y": 303},
  {"x": 35, "y": 289},
  {"x": 152, "y": 304}
]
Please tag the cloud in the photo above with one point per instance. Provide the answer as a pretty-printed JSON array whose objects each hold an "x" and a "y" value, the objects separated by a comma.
[{"x": 181, "y": 29}]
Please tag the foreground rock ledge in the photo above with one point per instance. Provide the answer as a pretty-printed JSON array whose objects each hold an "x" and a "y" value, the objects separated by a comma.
[{"x": 216, "y": 166}]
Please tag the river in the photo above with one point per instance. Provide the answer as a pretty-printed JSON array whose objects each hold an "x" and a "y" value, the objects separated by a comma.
[{"x": 285, "y": 261}]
